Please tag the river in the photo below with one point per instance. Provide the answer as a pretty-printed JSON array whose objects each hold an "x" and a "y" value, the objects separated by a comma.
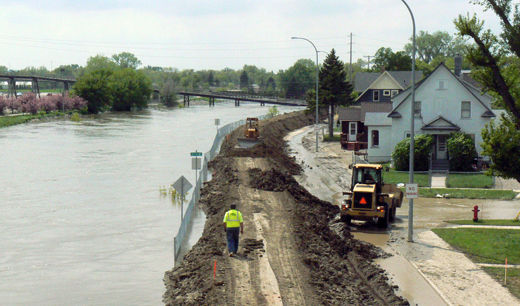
[{"x": 82, "y": 220}]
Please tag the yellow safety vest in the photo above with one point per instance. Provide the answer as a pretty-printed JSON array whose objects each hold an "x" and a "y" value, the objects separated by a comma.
[{"x": 233, "y": 218}]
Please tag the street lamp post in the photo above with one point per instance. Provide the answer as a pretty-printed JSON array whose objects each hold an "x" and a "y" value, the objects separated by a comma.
[
  {"x": 412, "y": 126},
  {"x": 317, "y": 81}
]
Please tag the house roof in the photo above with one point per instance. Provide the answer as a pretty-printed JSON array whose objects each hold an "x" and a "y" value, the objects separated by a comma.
[
  {"x": 357, "y": 113},
  {"x": 351, "y": 113},
  {"x": 363, "y": 80},
  {"x": 469, "y": 87},
  {"x": 441, "y": 124},
  {"x": 377, "y": 119}
]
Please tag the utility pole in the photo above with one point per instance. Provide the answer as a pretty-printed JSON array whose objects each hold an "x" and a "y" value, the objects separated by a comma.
[
  {"x": 368, "y": 57},
  {"x": 350, "y": 72}
]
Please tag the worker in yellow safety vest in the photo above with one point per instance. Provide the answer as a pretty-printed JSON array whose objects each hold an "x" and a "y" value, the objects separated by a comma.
[{"x": 233, "y": 224}]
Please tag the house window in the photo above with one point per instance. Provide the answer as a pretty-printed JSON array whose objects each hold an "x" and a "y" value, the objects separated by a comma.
[
  {"x": 442, "y": 85},
  {"x": 394, "y": 92},
  {"x": 465, "y": 111},
  {"x": 375, "y": 138},
  {"x": 376, "y": 95},
  {"x": 407, "y": 134},
  {"x": 386, "y": 92},
  {"x": 417, "y": 108}
]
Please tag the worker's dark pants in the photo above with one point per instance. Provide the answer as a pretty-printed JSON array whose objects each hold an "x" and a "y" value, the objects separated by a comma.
[{"x": 232, "y": 239}]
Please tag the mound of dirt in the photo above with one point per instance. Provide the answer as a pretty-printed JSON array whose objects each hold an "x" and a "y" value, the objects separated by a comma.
[{"x": 341, "y": 268}]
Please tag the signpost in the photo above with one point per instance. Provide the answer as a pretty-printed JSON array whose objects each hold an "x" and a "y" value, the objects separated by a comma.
[
  {"x": 182, "y": 185},
  {"x": 412, "y": 191},
  {"x": 196, "y": 158}
]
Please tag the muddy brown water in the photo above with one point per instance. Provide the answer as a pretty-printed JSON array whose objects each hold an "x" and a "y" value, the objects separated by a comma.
[{"x": 82, "y": 220}]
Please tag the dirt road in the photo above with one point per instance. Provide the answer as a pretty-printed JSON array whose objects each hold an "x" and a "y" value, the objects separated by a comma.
[{"x": 293, "y": 251}]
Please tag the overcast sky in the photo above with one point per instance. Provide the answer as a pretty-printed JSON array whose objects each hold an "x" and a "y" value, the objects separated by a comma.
[{"x": 214, "y": 34}]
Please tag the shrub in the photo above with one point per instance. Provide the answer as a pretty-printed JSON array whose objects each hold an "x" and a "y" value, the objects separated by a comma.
[
  {"x": 462, "y": 152},
  {"x": 3, "y": 104},
  {"x": 422, "y": 150}
]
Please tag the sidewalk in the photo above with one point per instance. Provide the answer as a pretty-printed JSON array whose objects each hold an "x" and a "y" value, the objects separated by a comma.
[{"x": 438, "y": 180}]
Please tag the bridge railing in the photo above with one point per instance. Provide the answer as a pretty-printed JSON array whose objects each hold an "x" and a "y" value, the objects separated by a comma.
[{"x": 222, "y": 132}]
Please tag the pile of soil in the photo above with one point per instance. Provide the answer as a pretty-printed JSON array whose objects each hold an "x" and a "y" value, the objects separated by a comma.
[{"x": 341, "y": 268}]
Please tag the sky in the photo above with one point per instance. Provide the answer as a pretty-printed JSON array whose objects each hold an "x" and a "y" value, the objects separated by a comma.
[{"x": 215, "y": 34}]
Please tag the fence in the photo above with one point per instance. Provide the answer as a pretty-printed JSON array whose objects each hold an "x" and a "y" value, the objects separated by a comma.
[{"x": 208, "y": 156}]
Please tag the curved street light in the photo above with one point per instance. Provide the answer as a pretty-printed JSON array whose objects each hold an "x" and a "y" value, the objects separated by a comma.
[
  {"x": 317, "y": 81},
  {"x": 412, "y": 126}
]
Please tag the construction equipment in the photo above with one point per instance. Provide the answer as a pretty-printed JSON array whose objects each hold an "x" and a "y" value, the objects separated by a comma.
[
  {"x": 369, "y": 197},
  {"x": 251, "y": 134}
]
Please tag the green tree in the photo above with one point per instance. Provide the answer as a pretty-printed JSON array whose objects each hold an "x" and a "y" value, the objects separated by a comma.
[
  {"x": 334, "y": 88},
  {"x": 99, "y": 62},
  {"x": 501, "y": 142},
  {"x": 244, "y": 80},
  {"x": 436, "y": 44},
  {"x": 168, "y": 94},
  {"x": 211, "y": 78},
  {"x": 462, "y": 152},
  {"x": 299, "y": 78},
  {"x": 126, "y": 60},
  {"x": 497, "y": 65},
  {"x": 386, "y": 59},
  {"x": 130, "y": 89},
  {"x": 94, "y": 87},
  {"x": 421, "y": 158}
]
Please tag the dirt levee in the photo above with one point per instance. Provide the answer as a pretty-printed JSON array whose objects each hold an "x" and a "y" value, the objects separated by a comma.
[{"x": 293, "y": 250}]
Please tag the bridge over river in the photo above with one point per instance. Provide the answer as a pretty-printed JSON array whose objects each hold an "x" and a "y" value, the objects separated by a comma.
[
  {"x": 11, "y": 82},
  {"x": 237, "y": 97}
]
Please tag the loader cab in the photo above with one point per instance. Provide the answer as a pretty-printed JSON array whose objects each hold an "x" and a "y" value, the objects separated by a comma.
[{"x": 367, "y": 174}]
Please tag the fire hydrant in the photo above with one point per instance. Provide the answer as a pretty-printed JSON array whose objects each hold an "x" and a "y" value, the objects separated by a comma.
[{"x": 475, "y": 213}]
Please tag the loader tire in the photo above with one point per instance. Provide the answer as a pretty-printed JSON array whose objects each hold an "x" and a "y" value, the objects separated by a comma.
[{"x": 384, "y": 221}]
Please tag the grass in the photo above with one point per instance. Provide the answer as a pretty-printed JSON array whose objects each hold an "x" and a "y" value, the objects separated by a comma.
[
  {"x": 6, "y": 121},
  {"x": 467, "y": 193},
  {"x": 484, "y": 245},
  {"x": 393, "y": 177},
  {"x": 329, "y": 139},
  {"x": 513, "y": 278},
  {"x": 488, "y": 246},
  {"x": 486, "y": 222},
  {"x": 477, "y": 180}
]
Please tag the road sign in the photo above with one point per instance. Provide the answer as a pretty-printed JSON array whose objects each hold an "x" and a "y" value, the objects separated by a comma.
[
  {"x": 412, "y": 191},
  {"x": 194, "y": 154},
  {"x": 196, "y": 163},
  {"x": 182, "y": 185}
]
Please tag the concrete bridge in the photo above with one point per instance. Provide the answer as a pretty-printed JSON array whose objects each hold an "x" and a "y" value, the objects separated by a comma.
[
  {"x": 11, "y": 83},
  {"x": 237, "y": 97}
]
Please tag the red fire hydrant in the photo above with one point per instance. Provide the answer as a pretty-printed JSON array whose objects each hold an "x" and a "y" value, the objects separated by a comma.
[{"x": 475, "y": 213}]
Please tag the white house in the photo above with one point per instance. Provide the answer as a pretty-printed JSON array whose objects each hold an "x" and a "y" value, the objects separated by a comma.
[{"x": 444, "y": 103}]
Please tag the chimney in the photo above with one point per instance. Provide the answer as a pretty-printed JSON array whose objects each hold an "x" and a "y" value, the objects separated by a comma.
[{"x": 458, "y": 65}]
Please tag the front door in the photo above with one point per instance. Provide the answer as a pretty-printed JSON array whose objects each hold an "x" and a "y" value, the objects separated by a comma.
[
  {"x": 441, "y": 147},
  {"x": 352, "y": 131}
]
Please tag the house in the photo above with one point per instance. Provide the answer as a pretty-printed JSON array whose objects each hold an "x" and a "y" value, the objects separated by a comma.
[
  {"x": 381, "y": 87},
  {"x": 354, "y": 133},
  {"x": 444, "y": 103}
]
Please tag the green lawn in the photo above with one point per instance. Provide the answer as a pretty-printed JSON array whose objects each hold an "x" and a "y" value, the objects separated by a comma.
[
  {"x": 393, "y": 177},
  {"x": 334, "y": 138},
  {"x": 477, "y": 180},
  {"x": 486, "y": 222},
  {"x": 513, "y": 278},
  {"x": 484, "y": 245},
  {"x": 467, "y": 193}
]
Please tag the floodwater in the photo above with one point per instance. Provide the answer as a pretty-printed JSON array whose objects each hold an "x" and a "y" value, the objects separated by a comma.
[{"x": 81, "y": 216}]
